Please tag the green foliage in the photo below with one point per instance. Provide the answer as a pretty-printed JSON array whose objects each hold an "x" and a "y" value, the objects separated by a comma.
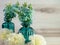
[
  {"x": 25, "y": 4},
  {"x": 9, "y": 13},
  {"x": 16, "y": 7},
  {"x": 25, "y": 14},
  {"x": 30, "y": 6}
]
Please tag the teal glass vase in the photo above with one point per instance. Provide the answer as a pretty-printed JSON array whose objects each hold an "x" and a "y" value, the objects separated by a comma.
[
  {"x": 27, "y": 31},
  {"x": 9, "y": 25}
]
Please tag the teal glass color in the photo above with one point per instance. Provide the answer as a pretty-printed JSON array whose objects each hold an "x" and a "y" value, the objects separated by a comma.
[
  {"x": 9, "y": 25},
  {"x": 27, "y": 31}
]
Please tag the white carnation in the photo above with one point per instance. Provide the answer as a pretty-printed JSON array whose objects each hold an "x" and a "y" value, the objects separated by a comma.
[
  {"x": 37, "y": 40},
  {"x": 15, "y": 39}
]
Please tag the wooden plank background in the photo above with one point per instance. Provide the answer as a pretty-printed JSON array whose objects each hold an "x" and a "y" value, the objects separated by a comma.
[{"x": 49, "y": 32}]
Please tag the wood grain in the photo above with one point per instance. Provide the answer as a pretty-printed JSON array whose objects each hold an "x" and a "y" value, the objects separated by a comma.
[{"x": 49, "y": 32}]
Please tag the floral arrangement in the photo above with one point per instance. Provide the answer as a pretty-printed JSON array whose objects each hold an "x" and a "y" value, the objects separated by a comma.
[
  {"x": 26, "y": 34},
  {"x": 10, "y": 38},
  {"x": 24, "y": 13}
]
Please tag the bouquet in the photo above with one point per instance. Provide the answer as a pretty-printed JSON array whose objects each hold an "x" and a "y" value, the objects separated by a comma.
[{"x": 9, "y": 38}]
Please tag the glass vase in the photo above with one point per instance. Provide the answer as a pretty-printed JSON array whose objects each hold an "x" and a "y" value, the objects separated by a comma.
[
  {"x": 9, "y": 25},
  {"x": 27, "y": 31}
]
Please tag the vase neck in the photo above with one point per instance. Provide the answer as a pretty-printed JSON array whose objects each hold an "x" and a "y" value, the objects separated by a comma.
[
  {"x": 26, "y": 25},
  {"x": 8, "y": 21}
]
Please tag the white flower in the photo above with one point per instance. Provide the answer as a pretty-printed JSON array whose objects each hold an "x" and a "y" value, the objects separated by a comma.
[
  {"x": 15, "y": 39},
  {"x": 37, "y": 40},
  {"x": 4, "y": 33}
]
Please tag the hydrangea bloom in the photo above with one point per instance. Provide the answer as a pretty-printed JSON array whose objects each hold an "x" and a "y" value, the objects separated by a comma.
[
  {"x": 4, "y": 33},
  {"x": 37, "y": 40},
  {"x": 15, "y": 39}
]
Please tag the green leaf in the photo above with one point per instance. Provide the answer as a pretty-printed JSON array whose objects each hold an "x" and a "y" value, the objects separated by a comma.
[
  {"x": 30, "y": 6},
  {"x": 25, "y": 4}
]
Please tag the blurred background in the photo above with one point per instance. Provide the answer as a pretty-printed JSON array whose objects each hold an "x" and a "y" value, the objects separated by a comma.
[{"x": 46, "y": 18}]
